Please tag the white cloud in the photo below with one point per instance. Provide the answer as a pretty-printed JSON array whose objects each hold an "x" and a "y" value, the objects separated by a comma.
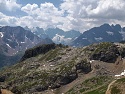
[
  {"x": 85, "y": 14},
  {"x": 9, "y": 5},
  {"x": 50, "y": 9},
  {"x": 72, "y": 14},
  {"x": 8, "y": 20},
  {"x": 110, "y": 9},
  {"x": 46, "y": 15},
  {"x": 89, "y": 8},
  {"x": 29, "y": 9},
  {"x": 45, "y": 9}
]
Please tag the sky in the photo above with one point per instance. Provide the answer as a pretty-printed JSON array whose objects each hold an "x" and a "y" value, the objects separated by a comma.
[{"x": 77, "y": 15}]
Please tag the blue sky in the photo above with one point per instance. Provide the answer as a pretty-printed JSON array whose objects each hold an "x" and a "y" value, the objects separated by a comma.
[
  {"x": 55, "y": 2},
  {"x": 79, "y": 15},
  {"x": 25, "y": 2}
]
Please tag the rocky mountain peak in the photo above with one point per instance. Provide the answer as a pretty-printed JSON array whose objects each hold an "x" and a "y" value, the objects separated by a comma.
[
  {"x": 103, "y": 33},
  {"x": 18, "y": 39},
  {"x": 14, "y": 41}
]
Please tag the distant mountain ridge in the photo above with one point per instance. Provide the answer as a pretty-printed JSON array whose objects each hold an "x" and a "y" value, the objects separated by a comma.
[
  {"x": 18, "y": 39},
  {"x": 104, "y": 33},
  {"x": 14, "y": 41},
  {"x": 56, "y": 34}
]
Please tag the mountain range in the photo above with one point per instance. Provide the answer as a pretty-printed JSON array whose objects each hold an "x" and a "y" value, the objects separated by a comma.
[
  {"x": 103, "y": 33},
  {"x": 56, "y": 35},
  {"x": 14, "y": 41},
  {"x": 17, "y": 38}
]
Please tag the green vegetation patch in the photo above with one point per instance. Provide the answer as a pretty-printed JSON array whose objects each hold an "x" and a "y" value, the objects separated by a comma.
[
  {"x": 26, "y": 85},
  {"x": 121, "y": 80},
  {"x": 100, "y": 82},
  {"x": 102, "y": 46},
  {"x": 96, "y": 81},
  {"x": 100, "y": 90},
  {"x": 118, "y": 86},
  {"x": 52, "y": 54},
  {"x": 115, "y": 90}
]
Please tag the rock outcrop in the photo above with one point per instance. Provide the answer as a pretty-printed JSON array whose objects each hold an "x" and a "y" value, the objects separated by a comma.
[
  {"x": 106, "y": 52},
  {"x": 38, "y": 50}
]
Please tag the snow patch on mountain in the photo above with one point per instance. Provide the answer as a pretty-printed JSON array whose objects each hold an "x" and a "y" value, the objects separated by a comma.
[
  {"x": 98, "y": 39},
  {"x": 84, "y": 38},
  {"x": 8, "y": 45},
  {"x": 22, "y": 42},
  {"x": 123, "y": 34},
  {"x": 9, "y": 39},
  {"x": 110, "y": 33},
  {"x": 1, "y": 33},
  {"x": 61, "y": 39}
]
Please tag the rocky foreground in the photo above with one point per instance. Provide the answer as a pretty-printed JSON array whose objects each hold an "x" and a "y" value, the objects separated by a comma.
[{"x": 58, "y": 69}]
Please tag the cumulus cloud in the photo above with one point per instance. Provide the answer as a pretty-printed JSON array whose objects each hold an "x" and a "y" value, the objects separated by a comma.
[
  {"x": 29, "y": 9},
  {"x": 46, "y": 15},
  {"x": 72, "y": 14},
  {"x": 110, "y": 9},
  {"x": 85, "y": 14},
  {"x": 89, "y": 8},
  {"x": 45, "y": 9},
  {"x": 50, "y": 9},
  {"x": 8, "y": 20},
  {"x": 9, "y": 5}
]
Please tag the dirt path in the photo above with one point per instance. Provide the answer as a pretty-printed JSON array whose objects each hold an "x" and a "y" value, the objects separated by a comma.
[
  {"x": 4, "y": 91},
  {"x": 65, "y": 88},
  {"x": 108, "y": 89}
]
